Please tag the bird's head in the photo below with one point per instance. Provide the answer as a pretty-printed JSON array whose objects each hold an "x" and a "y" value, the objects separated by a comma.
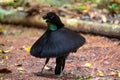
[{"x": 52, "y": 18}]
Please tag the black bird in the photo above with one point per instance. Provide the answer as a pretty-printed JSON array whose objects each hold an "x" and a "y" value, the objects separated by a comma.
[{"x": 57, "y": 41}]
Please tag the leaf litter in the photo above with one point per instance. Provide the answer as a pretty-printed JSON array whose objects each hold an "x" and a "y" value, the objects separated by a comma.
[{"x": 96, "y": 51}]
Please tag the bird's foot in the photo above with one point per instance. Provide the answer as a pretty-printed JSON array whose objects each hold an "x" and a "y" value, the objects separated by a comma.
[
  {"x": 46, "y": 68},
  {"x": 59, "y": 75},
  {"x": 39, "y": 73}
]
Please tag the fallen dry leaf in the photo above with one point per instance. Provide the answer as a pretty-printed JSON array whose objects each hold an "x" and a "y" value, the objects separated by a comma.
[
  {"x": 80, "y": 78},
  {"x": 18, "y": 64},
  {"x": 103, "y": 17},
  {"x": 1, "y": 62},
  {"x": 6, "y": 57},
  {"x": 88, "y": 77},
  {"x": 2, "y": 30},
  {"x": 2, "y": 74},
  {"x": 5, "y": 70},
  {"x": 113, "y": 73},
  {"x": 4, "y": 51},
  {"x": 1, "y": 51},
  {"x": 100, "y": 73},
  {"x": 118, "y": 73},
  {"x": 88, "y": 65},
  {"x": 28, "y": 48},
  {"x": 20, "y": 70}
]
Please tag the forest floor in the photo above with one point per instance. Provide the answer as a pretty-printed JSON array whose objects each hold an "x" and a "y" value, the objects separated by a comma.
[{"x": 98, "y": 59}]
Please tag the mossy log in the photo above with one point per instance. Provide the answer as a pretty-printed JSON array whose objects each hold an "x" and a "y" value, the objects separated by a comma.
[{"x": 16, "y": 17}]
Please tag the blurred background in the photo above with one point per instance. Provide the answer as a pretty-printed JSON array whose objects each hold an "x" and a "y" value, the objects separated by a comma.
[{"x": 21, "y": 24}]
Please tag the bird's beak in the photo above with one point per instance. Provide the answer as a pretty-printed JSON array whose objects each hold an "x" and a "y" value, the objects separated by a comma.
[{"x": 44, "y": 17}]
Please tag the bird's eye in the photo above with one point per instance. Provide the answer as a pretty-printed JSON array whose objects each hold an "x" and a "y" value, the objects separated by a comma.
[{"x": 52, "y": 17}]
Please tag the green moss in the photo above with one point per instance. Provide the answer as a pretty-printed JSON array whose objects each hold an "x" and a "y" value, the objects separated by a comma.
[{"x": 3, "y": 13}]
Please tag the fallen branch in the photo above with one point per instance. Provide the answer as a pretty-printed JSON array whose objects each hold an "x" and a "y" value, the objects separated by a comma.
[
  {"x": 18, "y": 17},
  {"x": 110, "y": 30},
  {"x": 15, "y": 17}
]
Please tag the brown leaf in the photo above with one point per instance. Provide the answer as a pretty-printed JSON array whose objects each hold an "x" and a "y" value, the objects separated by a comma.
[
  {"x": 4, "y": 51},
  {"x": 20, "y": 70},
  {"x": 6, "y": 57},
  {"x": 113, "y": 73},
  {"x": 5, "y": 70},
  {"x": 18, "y": 64},
  {"x": 103, "y": 17}
]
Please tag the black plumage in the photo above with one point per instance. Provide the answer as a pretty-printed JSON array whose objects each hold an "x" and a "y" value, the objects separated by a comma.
[{"x": 57, "y": 41}]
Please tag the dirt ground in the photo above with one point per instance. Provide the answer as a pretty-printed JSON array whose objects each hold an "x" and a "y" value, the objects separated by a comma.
[{"x": 98, "y": 59}]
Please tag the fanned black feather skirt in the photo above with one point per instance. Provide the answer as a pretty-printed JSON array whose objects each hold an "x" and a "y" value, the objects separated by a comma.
[{"x": 57, "y": 43}]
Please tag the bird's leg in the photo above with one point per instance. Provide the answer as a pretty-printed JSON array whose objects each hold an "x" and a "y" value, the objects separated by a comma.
[
  {"x": 47, "y": 60},
  {"x": 60, "y": 64}
]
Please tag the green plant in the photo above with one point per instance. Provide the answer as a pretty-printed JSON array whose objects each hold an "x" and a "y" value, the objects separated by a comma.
[
  {"x": 55, "y": 2},
  {"x": 112, "y": 6}
]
